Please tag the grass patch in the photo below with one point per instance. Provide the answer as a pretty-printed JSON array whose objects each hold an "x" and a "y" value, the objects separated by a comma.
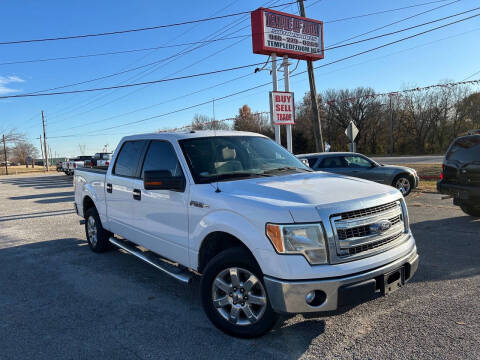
[{"x": 21, "y": 169}]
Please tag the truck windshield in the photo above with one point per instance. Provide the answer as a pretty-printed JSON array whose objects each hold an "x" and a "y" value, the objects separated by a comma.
[{"x": 235, "y": 157}]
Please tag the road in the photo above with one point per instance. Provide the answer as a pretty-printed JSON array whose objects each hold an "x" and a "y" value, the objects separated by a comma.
[
  {"x": 60, "y": 300},
  {"x": 422, "y": 159}
]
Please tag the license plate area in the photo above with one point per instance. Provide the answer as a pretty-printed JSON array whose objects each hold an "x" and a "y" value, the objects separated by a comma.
[{"x": 393, "y": 281}]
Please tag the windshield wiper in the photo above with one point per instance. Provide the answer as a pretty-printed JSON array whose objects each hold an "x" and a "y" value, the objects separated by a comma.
[{"x": 286, "y": 168}]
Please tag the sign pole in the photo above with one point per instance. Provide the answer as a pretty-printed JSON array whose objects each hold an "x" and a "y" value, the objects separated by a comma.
[
  {"x": 286, "y": 78},
  {"x": 275, "y": 83}
]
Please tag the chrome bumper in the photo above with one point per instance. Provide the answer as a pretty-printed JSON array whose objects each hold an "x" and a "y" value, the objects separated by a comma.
[{"x": 290, "y": 296}]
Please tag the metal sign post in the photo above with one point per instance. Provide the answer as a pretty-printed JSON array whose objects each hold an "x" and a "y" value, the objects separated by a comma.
[
  {"x": 286, "y": 78},
  {"x": 275, "y": 86}
]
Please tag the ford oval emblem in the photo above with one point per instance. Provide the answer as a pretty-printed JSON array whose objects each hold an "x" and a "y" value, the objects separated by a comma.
[{"x": 381, "y": 226}]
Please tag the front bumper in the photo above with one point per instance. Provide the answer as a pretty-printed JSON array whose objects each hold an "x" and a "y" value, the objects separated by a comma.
[{"x": 290, "y": 296}]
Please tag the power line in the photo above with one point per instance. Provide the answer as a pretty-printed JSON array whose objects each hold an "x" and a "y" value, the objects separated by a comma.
[
  {"x": 223, "y": 29},
  {"x": 396, "y": 22},
  {"x": 72, "y": 57},
  {"x": 118, "y": 32},
  {"x": 381, "y": 12},
  {"x": 229, "y": 69},
  {"x": 401, "y": 30},
  {"x": 249, "y": 74}
]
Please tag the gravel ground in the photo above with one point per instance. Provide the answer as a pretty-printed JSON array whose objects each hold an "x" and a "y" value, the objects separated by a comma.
[{"x": 60, "y": 300}]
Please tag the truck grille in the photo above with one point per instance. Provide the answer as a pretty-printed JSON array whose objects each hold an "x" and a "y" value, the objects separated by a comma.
[{"x": 368, "y": 230}]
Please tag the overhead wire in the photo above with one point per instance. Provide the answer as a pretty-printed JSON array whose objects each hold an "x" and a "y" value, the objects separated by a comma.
[
  {"x": 293, "y": 75},
  {"x": 216, "y": 71},
  {"x": 118, "y": 32}
]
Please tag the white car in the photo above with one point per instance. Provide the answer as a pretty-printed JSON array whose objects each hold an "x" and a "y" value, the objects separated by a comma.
[{"x": 267, "y": 234}]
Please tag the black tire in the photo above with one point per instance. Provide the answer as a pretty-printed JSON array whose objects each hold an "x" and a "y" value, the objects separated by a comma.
[
  {"x": 237, "y": 258},
  {"x": 471, "y": 210},
  {"x": 403, "y": 178},
  {"x": 100, "y": 243}
]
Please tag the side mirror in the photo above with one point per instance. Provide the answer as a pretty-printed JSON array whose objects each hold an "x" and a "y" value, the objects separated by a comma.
[{"x": 163, "y": 180}]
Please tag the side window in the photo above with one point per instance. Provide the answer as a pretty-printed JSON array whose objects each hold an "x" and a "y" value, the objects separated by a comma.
[
  {"x": 332, "y": 162},
  {"x": 128, "y": 158},
  {"x": 161, "y": 156},
  {"x": 357, "y": 162}
]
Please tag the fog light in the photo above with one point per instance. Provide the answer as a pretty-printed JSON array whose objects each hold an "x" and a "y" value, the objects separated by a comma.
[
  {"x": 315, "y": 298},
  {"x": 310, "y": 297}
]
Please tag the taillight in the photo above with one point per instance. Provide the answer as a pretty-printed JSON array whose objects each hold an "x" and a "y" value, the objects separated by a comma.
[
  {"x": 74, "y": 165},
  {"x": 441, "y": 174},
  {"x": 107, "y": 163}
]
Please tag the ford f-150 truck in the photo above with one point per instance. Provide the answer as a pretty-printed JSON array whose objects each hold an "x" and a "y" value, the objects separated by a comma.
[{"x": 266, "y": 233}]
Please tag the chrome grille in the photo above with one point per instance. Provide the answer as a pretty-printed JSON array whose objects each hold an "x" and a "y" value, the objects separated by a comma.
[
  {"x": 367, "y": 231},
  {"x": 368, "y": 211}
]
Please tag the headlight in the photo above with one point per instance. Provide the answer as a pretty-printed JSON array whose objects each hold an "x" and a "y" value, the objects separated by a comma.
[{"x": 305, "y": 239}]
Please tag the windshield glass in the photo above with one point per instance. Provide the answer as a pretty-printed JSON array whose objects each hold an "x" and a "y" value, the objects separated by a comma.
[{"x": 235, "y": 157}]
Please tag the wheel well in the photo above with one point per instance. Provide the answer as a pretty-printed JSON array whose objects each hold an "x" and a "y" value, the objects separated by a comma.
[
  {"x": 87, "y": 204},
  {"x": 405, "y": 174},
  {"x": 214, "y": 243}
]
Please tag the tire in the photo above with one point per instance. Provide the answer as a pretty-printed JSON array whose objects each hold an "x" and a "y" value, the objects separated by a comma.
[
  {"x": 250, "y": 297},
  {"x": 403, "y": 183},
  {"x": 97, "y": 236},
  {"x": 471, "y": 210}
]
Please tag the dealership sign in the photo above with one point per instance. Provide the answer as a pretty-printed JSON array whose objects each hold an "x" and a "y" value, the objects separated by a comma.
[
  {"x": 286, "y": 34},
  {"x": 283, "y": 107}
]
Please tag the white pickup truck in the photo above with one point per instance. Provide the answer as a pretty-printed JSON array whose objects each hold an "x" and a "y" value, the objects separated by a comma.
[
  {"x": 69, "y": 166},
  {"x": 267, "y": 234}
]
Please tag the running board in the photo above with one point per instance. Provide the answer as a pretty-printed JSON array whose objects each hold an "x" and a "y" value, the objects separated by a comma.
[{"x": 169, "y": 269}]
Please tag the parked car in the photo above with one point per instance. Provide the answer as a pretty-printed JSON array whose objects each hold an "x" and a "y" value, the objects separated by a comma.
[
  {"x": 267, "y": 233},
  {"x": 403, "y": 178},
  {"x": 59, "y": 167},
  {"x": 460, "y": 176}
]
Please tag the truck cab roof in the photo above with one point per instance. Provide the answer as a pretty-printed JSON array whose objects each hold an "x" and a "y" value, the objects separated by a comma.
[{"x": 175, "y": 136}]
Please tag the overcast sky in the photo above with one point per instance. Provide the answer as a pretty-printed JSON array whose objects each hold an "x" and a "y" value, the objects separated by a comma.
[{"x": 451, "y": 53}]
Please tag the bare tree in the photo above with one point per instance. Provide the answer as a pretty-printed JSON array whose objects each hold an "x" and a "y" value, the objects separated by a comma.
[
  {"x": 23, "y": 149},
  {"x": 254, "y": 122},
  {"x": 202, "y": 122}
]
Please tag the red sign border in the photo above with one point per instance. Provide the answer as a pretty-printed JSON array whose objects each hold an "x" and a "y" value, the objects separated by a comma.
[
  {"x": 271, "y": 106},
  {"x": 258, "y": 36}
]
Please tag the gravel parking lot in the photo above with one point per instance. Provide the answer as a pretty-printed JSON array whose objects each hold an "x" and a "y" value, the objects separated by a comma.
[{"x": 60, "y": 300}]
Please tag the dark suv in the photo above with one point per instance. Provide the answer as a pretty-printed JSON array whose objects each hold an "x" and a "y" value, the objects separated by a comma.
[{"x": 461, "y": 173}]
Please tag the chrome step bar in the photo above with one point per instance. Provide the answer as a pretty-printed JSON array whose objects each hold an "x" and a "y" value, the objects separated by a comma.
[{"x": 182, "y": 275}]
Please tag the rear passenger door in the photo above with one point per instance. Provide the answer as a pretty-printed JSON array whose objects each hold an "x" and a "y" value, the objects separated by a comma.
[
  {"x": 160, "y": 216},
  {"x": 334, "y": 164},
  {"x": 120, "y": 185}
]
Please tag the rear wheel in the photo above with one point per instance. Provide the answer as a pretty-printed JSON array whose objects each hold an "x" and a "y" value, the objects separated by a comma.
[
  {"x": 234, "y": 296},
  {"x": 403, "y": 183},
  {"x": 97, "y": 236},
  {"x": 471, "y": 210}
]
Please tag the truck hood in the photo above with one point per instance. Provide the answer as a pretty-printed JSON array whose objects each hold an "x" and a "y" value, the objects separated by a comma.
[{"x": 318, "y": 189}]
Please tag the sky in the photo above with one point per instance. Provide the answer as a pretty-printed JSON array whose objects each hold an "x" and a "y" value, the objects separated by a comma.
[{"x": 92, "y": 120}]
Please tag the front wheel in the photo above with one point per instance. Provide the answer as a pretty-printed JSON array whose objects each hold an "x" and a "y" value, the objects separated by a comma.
[
  {"x": 234, "y": 296},
  {"x": 471, "y": 210},
  {"x": 403, "y": 183}
]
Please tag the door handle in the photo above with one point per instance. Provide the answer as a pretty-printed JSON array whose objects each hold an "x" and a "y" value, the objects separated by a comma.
[
  {"x": 109, "y": 188},
  {"x": 137, "y": 194}
]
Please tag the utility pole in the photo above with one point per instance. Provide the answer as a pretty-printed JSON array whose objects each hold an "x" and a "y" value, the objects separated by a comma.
[
  {"x": 45, "y": 141},
  {"x": 317, "y": 126},
  {"x": 5, "y": 153}
]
